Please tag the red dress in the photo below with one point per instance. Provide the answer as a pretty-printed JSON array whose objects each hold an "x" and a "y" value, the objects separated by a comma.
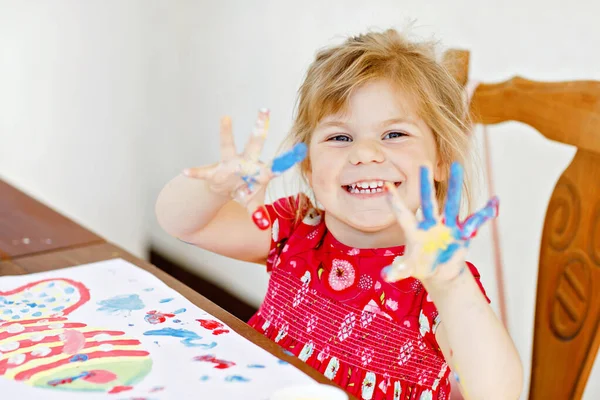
[{"x": 327, "y": 304}]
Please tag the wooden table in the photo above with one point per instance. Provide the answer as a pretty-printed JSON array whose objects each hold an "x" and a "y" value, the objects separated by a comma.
[{"x": 22, "y": 217}]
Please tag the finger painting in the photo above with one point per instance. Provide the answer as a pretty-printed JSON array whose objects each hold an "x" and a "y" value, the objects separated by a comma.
[{"x": 111, "y": 329}]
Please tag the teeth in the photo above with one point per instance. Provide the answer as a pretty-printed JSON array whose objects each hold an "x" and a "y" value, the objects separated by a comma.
[
  {"x": 355, "y": 190},
  {"x": 366, "y": 187}
]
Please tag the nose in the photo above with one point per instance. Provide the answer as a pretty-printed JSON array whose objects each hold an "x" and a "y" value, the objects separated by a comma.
[{"x": 366, "y": 152}]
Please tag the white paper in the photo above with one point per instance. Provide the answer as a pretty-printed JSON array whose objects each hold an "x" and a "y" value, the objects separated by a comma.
[{"x": 114, "y": 319}]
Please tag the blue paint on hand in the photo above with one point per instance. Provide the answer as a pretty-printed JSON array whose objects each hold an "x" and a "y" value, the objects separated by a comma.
[
  {"x": 236, "y": 378},
  {"x": 126, "y": 302},
  {"x": 426, "y": 201},
  {"x": 445, "y": 255},
  {"x": 474, "y": 222},
  {"x": 454, "y": 194},
  {"x": 288, "y": 159},
  {"x": 189, "y": 337}
]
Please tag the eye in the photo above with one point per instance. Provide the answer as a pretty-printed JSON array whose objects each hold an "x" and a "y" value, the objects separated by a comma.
[
  {"x": 394, "y": 135},
  {"x": 340, "y": 138}
]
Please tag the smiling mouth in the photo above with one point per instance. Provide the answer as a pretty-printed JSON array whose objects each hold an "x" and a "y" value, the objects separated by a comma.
[{"x": 367, "y": 187}]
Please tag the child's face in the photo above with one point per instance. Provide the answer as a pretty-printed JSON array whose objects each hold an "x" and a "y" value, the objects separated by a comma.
[{"x": 380, "y": 138}]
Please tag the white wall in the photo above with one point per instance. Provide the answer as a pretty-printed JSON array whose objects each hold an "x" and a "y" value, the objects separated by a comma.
[
  {"x": 103, "y": 101},
  {"x": 73, "y": 82}
]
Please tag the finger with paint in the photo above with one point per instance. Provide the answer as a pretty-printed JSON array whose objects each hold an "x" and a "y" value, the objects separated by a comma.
[{"x": 279, "y": 165}]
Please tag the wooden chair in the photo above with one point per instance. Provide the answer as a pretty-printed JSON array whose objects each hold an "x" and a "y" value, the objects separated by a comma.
[{"x": 567, "y": 315}]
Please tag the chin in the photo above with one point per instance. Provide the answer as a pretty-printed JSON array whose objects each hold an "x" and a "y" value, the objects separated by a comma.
[{"x": 371, "y": 221}]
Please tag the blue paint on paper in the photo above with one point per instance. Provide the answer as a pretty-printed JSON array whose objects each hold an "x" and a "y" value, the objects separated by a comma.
[
  {"x": 181, "y": 310},
  {"x": 59, "y": 308},
  {"x": 51, "y": 284},
  {"x": 148, "y": 289},
  {"x": 78, "y": 357},
  {"x": 176, "y": 321},
  {"x": 69, "y": 290},
  {"x": 16, "y": 317},
  {"x": 165, "y": 300},
  {"x": 50, "y": 300},
  {"x": 204, "y": 378},
  {"x": 257, "y": 366},
  {"x": 189, "y": 337},
  {"x": 7, "y": 311},
  {"x": 126, "y": 302},
  {"x": 36, "y": 314},
  {"x": 32, "y": 305},
  {"x": 236, "y": 378}
]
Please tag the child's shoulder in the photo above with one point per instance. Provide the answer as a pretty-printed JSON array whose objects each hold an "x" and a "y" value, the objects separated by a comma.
[{"x": 293, "y": 209}]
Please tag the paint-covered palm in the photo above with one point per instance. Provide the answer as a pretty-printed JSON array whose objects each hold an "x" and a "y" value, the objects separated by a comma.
[
  {"x": 242, "y": 175},
  {"x": 436, "y": 246}
]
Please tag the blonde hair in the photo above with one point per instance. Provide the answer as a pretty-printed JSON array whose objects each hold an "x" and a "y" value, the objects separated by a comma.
[{"x": 412, "y": 67}]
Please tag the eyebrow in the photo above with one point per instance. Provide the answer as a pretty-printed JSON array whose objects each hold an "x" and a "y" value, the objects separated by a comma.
[
  {"x": 400, "y": 120},
  {"x": 334, "y": 123}
]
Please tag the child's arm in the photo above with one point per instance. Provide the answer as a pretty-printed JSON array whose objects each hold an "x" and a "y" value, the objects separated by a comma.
[
  {"x": 188, "y": 210},
  {"x": 197, "y": 207},
  {"x": 474, "y": 343}
]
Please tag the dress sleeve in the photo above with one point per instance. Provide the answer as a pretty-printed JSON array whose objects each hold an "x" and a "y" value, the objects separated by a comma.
[{"x": 282, "y": 214}]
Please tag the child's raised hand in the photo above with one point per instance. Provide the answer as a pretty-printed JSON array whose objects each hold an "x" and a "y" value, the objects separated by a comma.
[
  {"x": 241, "y": 176},
  {"x": 435, "y": 247}
]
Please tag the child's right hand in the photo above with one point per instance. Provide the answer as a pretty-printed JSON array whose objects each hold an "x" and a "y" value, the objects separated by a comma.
[
  {"x": 239, "y": 176},
  {"x": 242, "y": 176}
]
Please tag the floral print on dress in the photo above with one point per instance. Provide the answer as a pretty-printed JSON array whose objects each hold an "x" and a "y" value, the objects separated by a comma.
[
  {"x": 406, "y": 351},
  {"x": 282, "y": 333},
  {"x": 306, "y": 351},
  {"x": 366, "y": 356},
  {"x": 312, "y": 218},
  {"x": 365, "y": 282},
  {"x": 423, "y": 324},
  {"x": 391, "y": 304},
  {"x": 275, "y": 231},
  {"x": 346, "y": 327},
  {"x": 303, "y": 290},
  {"x": 312, "y": 322},
  {"x": 332, "y": 368},
  {"x": 341, "y": 275},
  {"x": 323, "y": 354},
  {"x": 353, "y": 252},
  {"x": 368, "y": 386},
  {"x": 397, "y": 390}
]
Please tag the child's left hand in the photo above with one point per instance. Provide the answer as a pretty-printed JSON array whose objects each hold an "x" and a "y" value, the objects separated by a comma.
[{"x": 435, "y": 247}]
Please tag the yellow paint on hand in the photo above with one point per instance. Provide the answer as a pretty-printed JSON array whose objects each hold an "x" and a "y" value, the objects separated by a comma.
[{"x": 438, "y": 238}]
